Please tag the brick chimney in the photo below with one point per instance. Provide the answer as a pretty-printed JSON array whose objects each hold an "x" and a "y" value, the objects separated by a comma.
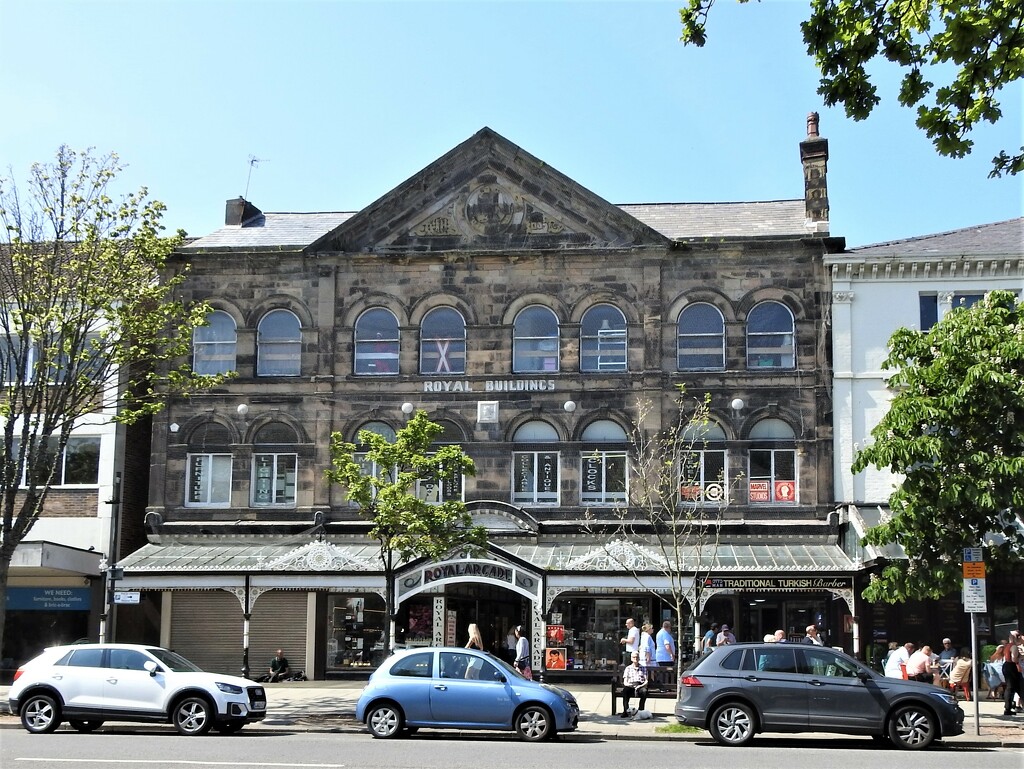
[
  {"x": 239, "y": 211},
  {"x": 814, "y": 157}
]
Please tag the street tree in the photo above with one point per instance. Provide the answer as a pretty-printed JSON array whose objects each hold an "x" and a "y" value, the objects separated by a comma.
[
  {"x": 973, "y": 48},
  {"x": 382, "y": 479},
  {"x": 89, "y": 327},
  {"x": 955, "y": 433},
  {"x": 670, "y": 525}
]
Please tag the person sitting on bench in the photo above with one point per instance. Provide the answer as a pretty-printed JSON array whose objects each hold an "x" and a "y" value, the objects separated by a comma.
[
  {"x": 634, "y": 681},
  {"x": 279, "y": 667}
]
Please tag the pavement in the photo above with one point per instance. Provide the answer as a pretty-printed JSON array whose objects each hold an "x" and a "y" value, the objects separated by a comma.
[{"x": 329, "y": 706}]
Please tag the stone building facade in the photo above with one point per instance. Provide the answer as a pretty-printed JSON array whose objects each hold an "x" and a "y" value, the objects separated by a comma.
[{"x": 540, "y": 325}]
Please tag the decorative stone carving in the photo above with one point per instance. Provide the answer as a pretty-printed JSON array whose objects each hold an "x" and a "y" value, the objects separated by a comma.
[
  {"x": 317, "y": 556},
  {"x": 616, "y": 555}
]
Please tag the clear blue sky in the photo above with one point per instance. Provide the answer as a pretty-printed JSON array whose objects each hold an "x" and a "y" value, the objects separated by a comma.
[{"x": 345, "y": 100}]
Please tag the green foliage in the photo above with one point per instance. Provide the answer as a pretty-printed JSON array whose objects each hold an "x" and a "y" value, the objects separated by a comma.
[
  {"x": 955, "y": 432},
  {"x": 406, "y": 526},
  {"x": 980, "y": 42},
  {"x": 88, "y": 322}
]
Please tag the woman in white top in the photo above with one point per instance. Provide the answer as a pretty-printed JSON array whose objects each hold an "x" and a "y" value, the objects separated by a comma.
[{"x": 523, "y": 653}]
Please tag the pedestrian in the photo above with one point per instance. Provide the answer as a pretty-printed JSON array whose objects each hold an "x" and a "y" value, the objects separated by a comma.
[
  {"x": 476, "y": 641},
  {"x": 647, "y": 647},
  {"x": 523, "y": 653},
  {"x": 812, "y": 636},
  {"x": 725, "y": 636},
  {"x": 710, "y": 638},
  {"x": 631, "y": 641},
  {"x": 279, "y": 667},
  {"x": 1011, "y": 673},
  {"x": 665, "y": 654}
]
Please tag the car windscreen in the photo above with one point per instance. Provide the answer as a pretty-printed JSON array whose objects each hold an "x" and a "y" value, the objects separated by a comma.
[{"x": 174, "y": 661}]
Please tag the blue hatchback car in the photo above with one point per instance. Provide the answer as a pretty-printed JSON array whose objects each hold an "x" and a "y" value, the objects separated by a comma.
[{"x": 456, "y": 688}]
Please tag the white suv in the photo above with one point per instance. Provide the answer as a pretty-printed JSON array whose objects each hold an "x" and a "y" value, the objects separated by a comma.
[{"x": 87, "y": 684}]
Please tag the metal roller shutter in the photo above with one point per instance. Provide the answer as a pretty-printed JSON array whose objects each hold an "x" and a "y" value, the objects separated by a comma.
[
  {"x": 278, "y": 622},
  {"x": 207, "y": 629}
]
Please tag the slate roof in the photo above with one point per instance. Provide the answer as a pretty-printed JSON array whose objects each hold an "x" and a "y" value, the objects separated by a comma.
[
  {"x": 998, "y": 238},
  {"x": 677, "y": 221}
]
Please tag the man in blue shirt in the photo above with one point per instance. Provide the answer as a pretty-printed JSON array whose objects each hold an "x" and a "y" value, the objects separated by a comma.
[{"x": 665, "y": 646}]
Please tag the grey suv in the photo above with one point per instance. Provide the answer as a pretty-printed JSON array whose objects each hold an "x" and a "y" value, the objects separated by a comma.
[{"x": 739, "y": 690}]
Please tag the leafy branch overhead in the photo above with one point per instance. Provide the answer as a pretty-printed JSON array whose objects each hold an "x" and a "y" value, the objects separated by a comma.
[
  {"x": 972, "y": 48},
  {"x": 955, "y": 433}
]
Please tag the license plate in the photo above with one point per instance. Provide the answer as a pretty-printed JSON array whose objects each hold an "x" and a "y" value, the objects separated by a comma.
[{"x": 259, "y": 706}]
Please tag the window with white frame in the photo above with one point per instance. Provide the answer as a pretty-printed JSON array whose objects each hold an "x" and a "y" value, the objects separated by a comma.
[
  {"x": 438, "y": 492},
  {"x": 772, "y": 464},
  {"x": 368, "y": 466},
  {"x": 603, "y": 339},
  {"x": 535, "y": 467},
  {"x": 213, "y": 345},
  {"x": 208, "y": 467},
  {"x": 274, "y": 466},
  {"x": 930, "y": 310},
  {"x": 604, "y": 464},
  {"x": 279, "y": 344},
  {"x": 700, "y": 340},
  {"x": 442, "y": 342},
  {"x": 377, "y": 343},
  {"x": 535, "y": 341},
  {"x": 78, "y": 464},
  {"x": 703, "y": 465},
  {"x": 770, "y": 336}
]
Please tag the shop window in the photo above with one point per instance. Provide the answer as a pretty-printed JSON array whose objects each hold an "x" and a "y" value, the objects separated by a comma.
[
  {"x": 443, "y": 343},
  {"x": 703, "y": 469},
  {"x": 274, "y": 470},
  {"x": 770, "y": 333},
  {"x": 700, "y": 341},
  {"x": 278, "y": 344},
  {"x": 377, "y": 343},
  {"x": 535, "y": 341},
  {"x": 208, "y": 467},
  {"x": 535, "y": 471},
  {"x": 603, "y": 339},
  {"x": 355, "y": 632},
  {"x": 604, "y": 464},
  {"x": 772, "y": 468}
]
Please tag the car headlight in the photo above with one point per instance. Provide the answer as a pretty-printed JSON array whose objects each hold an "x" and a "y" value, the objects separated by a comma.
[
  {"x": 949, "y": 699},
  {"x": 229, "y": 688}
]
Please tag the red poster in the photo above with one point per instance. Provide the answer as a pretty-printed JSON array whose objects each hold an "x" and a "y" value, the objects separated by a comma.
[{"x": 785, "y": 491}]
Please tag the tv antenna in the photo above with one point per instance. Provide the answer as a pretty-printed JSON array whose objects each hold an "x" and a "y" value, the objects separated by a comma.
[{"x": 253, "y": 162}]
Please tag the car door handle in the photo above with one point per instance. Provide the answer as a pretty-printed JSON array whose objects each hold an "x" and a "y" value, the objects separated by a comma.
[
  {"x": 111, "y": 680},
  {"x": 753, "y": 678},
  {"x": 441, "y": 688},
  {"x": 816, "y": 682}
]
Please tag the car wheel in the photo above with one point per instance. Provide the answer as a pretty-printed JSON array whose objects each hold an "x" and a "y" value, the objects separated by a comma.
[
  {"x": 85, "y": 726},
  {"x": 912, "y": 727},
  {"x": 385, "y": 720},
  {"x": 229, "y": 727},
  {"x": 193, "y": 716},
  {"x": 733, "y": 724},
  {"x": 534, "y": 723},
  {"x": 40, "y": 714}
]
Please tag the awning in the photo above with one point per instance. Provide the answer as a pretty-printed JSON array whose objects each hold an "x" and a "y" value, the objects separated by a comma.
[{"x": 49, "y": 559}]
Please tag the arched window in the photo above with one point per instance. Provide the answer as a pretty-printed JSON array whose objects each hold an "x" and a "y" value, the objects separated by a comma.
[
  {"x": 604, "y": 464},
  {"x": 700, "y": 343},
  {"x": 429, "y": 489},
  {"x": 274, "y": 466},
  {"x": 535, "y": 469},
  {"x": 213, "y": 345},
  {"x": 703, "y": 465},
  {"x": 772, "y": 463},
  {"x": 208, "y": 466},
  {"x": 443, "y": 343},
  {"x": 603, "y": 339},
  {"x": 383, "y": 429},
  {"x": 279, "y": 344},
  {"x": 535, "y": 341},
  {"x": 770, "y": 336},
  {"x": 377, "y": 343}
]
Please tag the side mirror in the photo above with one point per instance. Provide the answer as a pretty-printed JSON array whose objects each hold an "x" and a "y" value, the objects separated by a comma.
[{"x": 151, "y": 666}]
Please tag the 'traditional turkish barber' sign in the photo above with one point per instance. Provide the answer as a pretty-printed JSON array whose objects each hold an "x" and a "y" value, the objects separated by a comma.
[{"x": 779, "y": 583}]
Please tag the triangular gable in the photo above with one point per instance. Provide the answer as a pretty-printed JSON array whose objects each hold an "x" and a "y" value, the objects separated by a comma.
[
  {"x": 319, "y": 556},
  {"x": 617, "y": 555},
  {"x": 489, "y": 194}
]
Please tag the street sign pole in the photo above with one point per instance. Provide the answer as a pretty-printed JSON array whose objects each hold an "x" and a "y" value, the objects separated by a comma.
[{"x": 975, "y": 601}]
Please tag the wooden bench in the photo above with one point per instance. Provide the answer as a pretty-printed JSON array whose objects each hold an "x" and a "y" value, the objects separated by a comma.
[{"x": 662, "y": 684}]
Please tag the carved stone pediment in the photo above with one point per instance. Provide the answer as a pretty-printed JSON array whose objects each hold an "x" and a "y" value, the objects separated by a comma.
[{"x": 488, "y": 194}]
